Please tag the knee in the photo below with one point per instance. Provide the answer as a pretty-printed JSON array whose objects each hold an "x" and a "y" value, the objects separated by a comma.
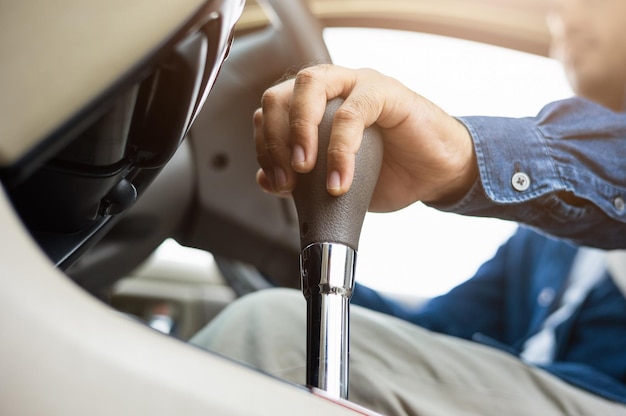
[
  {"x": 265, "y": 313},
  {"x": 275, "y": 298},
  {"x": 267, "y": 304}
]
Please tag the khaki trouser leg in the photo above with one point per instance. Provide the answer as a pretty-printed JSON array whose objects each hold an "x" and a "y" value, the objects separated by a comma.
[{"x": 397, "y": 368}]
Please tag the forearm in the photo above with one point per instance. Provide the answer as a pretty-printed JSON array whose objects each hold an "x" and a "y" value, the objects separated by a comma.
[{"x": 563, "y": 172}]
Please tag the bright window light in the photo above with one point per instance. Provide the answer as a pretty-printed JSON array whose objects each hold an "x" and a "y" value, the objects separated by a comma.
[{"x": 420, "y": 251}]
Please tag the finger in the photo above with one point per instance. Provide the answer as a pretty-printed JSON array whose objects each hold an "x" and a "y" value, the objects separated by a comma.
[
  {"x": 361, "y": 109},
  {"x": 313, "y": 87},
  {"x": 273, "y": 144},
  {"x": 305, "y": 114},
  {"x": 263, "y": 182},
  {"x": 263, "y": 159}
]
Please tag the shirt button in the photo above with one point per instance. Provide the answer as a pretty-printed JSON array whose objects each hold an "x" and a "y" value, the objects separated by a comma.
[
  {"x": 520, "y": 181},
  {"x": 546, "y": 296},
  {"x": 619, "y": 204}
]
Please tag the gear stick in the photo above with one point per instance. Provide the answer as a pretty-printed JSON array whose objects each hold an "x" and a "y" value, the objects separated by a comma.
[{"x": 330, "y": 228}]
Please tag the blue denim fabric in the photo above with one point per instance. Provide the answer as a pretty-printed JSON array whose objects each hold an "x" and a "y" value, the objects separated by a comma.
[
  {"x": 572, "y": 147},
  {"x": 502, "y": 306}
]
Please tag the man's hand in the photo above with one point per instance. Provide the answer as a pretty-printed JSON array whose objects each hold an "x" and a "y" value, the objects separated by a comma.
[{"x": 428, "y": 155}]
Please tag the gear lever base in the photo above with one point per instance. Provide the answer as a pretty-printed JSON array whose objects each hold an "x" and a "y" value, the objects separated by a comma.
[{"x": 327, "y": 282}]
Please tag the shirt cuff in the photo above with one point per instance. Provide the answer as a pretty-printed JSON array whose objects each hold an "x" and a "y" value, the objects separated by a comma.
[
  {"x": 513, "y": 159},
  {"x": 513, "y": 163}
]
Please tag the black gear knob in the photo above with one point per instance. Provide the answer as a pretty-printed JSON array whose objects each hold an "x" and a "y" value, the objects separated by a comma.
[{"x": 326, "y": 218}]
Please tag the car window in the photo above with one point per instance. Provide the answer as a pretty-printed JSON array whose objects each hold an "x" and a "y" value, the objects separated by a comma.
[{"x": 419, "y": 250}]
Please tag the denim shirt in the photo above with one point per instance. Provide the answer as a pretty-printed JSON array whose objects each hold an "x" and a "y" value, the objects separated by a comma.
[{"x": 562, "y": 172}]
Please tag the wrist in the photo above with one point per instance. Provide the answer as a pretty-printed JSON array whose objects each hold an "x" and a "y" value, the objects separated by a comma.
[{"x": 461, "y": 165}]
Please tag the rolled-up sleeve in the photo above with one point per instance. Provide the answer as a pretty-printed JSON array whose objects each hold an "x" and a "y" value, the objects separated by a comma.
[{"x": 562, "y": 172}]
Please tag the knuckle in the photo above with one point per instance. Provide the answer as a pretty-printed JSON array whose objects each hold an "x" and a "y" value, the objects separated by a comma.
[
  {"x": 272, "y": 148},
  {"x": 306, "y": 76},
  {"x": 369, "y": 102},
  {"x": 369, "y": 72},
  {"x": 298, "y": 126},
  {"x": 347, "y": 113},
  {"x": 270, "y": 97},
  {"x": 340, "y": 151},
  {"x": 311, "y": 75}
]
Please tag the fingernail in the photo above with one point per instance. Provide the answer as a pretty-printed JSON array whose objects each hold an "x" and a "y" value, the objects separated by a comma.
[
  {"x": 281, "y": 178},
  {"x": 297, "y": 158},
  {"x": 334, "y": 181}
]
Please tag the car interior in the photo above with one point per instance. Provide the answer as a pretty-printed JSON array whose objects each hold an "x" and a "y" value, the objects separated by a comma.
[{"x": 126, "y": 132}]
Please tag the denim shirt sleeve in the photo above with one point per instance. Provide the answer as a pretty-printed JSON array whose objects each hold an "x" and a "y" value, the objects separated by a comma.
[{"x": 529, "y": 169}]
